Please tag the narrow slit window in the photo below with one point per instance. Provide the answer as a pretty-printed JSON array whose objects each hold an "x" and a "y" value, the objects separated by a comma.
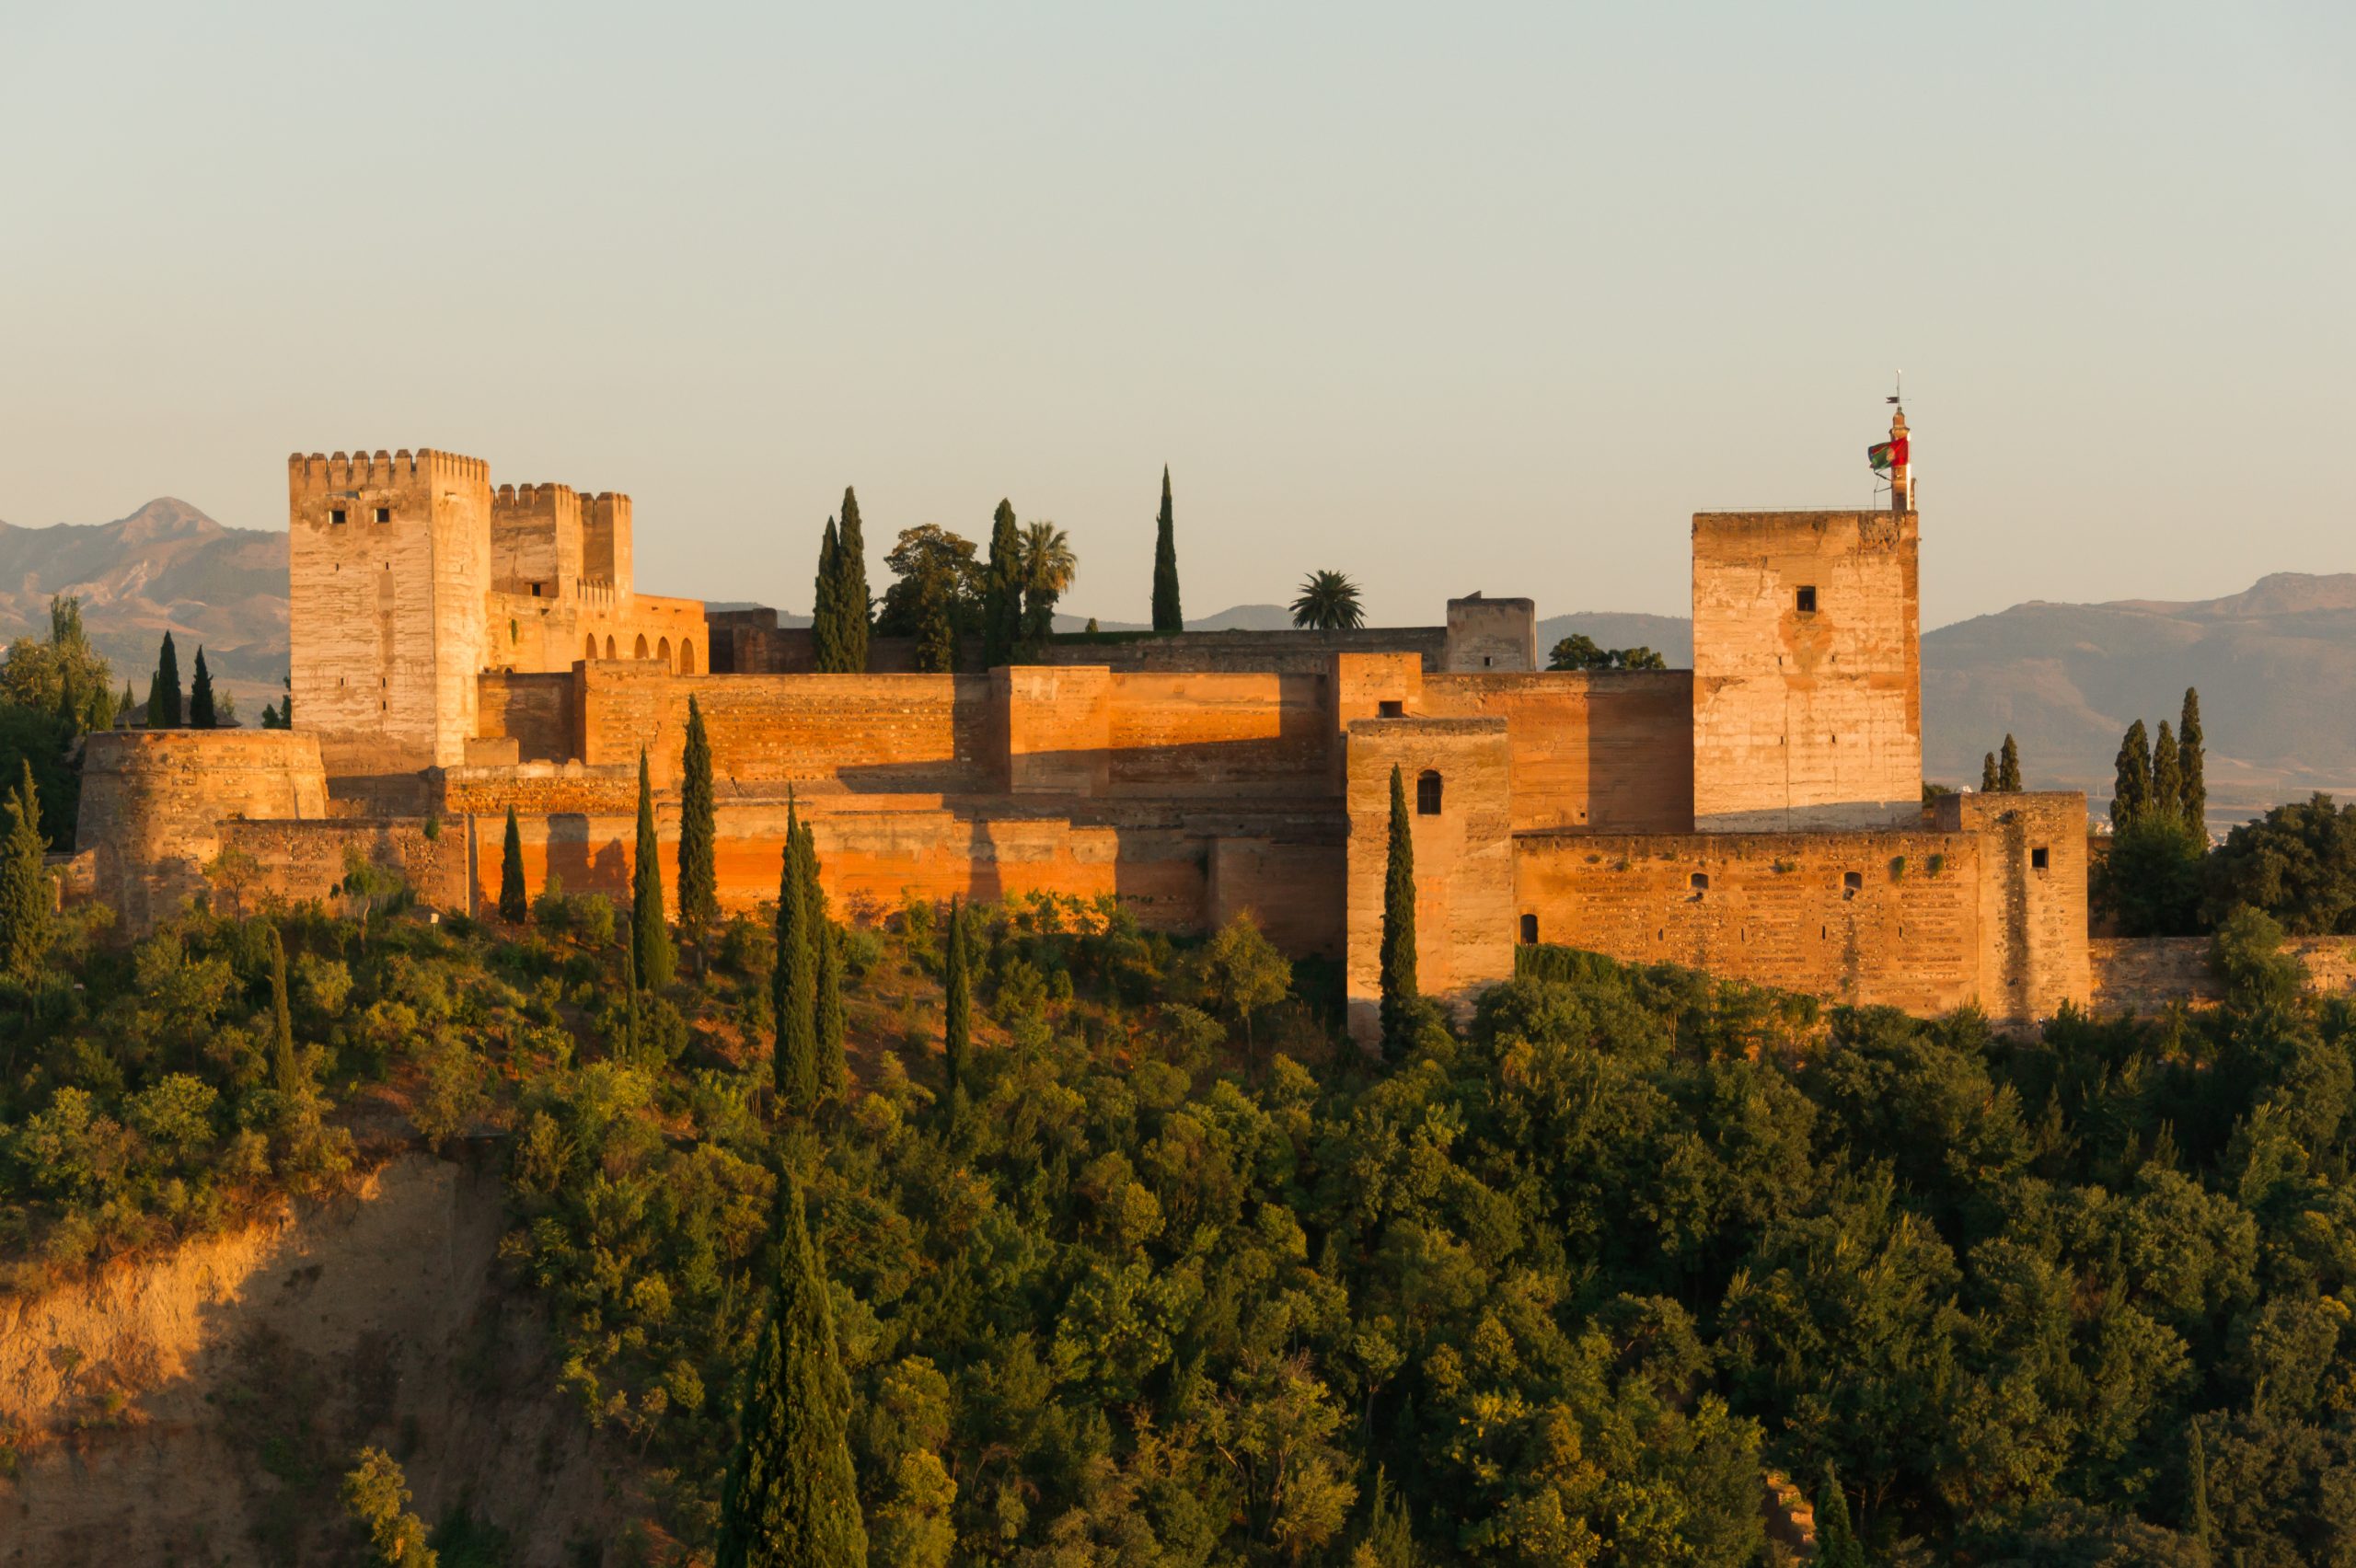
[
  {"x": 1530, "y": 931},
  {"x": 1807, "y": 601},
  {"x": 1427, "y": 793}
]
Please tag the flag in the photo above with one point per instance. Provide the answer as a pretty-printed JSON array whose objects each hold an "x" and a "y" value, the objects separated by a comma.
[{"x": 1887, "y": 454}]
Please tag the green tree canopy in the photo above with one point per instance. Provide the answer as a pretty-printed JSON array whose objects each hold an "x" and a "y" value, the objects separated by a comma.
[{"x": 1579, "y": 651}]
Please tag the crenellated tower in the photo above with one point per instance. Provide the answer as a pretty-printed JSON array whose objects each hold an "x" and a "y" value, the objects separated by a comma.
[{"x": 389, "y": 559}]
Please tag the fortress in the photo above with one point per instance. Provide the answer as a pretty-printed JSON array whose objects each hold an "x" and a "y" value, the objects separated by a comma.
[{"x": 458, "y": 649}]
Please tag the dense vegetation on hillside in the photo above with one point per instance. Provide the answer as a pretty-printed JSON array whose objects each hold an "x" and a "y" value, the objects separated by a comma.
[{"x": 1174, "y": 1280}]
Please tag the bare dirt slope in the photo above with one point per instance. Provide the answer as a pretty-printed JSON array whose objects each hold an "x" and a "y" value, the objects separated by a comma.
[{"x": 201, "y": 1408}]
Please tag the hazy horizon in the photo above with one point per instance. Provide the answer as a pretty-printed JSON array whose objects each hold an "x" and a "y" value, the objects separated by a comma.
[{"x": 1489, "y": 299}]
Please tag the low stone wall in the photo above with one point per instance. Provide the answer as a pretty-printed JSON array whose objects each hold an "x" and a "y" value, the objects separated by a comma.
[{"x": 2142, "y": 974}]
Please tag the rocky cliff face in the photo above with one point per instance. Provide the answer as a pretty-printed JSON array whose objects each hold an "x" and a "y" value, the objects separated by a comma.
[{"x": 202, "y": 1406}]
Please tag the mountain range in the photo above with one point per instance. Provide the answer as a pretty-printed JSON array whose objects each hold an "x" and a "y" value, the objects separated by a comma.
[{"x": 2275, "y": 664}]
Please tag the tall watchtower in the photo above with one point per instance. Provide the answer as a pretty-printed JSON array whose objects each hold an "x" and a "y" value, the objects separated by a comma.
[
  {"x": 1808, "y": 669},
  {"x": 390, "y": 558}
]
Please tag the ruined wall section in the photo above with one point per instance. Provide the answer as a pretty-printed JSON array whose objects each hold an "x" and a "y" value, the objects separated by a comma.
[
  {"x": 1888, "y": 918},
  {"x": 1808, "y": 671},
  {"x": 154, "y": 806},
  {"x": 1465, "y": 859},
  {"x": 389, "y": 559},
  {"x": 1600, "y": 751}
]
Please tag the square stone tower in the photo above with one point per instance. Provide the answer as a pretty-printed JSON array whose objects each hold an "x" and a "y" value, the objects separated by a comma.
[
  {"x": 1808, "y": 671},
  {"x": 389, "y": 561}
]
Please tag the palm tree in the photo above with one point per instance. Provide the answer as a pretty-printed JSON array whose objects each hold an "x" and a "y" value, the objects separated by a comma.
[
  {"x": 1328, "y": 602},
  {"x": 1048, "y": 566}
]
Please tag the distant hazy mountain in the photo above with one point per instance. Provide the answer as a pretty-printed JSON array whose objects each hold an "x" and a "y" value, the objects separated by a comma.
[{"x": 166, "y": 566}]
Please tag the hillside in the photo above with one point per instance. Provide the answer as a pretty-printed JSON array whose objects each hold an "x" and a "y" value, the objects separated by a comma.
[{"x": 167, "y": 565}]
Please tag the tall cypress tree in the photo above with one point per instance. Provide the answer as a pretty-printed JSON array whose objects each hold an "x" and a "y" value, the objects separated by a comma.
[
  {"x": 1836, "y": 1543},
  {"x": 791, "y": 1497},
  {"x": 126, "y": 708},
  {"x": 826, "y": 618},
  {"x": 1987, "y": 773},
  {"x": 2008, "y": 767},
  {"x": 286, "y": 1074},
  {"x": 513, "y": 906},
  {"x": 200, "y": 696},
  {"x": 699, "y": 831},
  {"x": 650, "y": 938},
  {"x": 855, "y": 609},
  {"x": 1002, "y": 590},
  {"x": 957, "y": 1007},
  {"x": 2131, "y": 792},
  {"x": 2193, "y": 789},
  {"x": 163, "y": 691},
  {"x": 2168, "y": 774},
  {"x": 27, "y": 904},
  {"x": 1167, "y": 616},
  {"x": 834, "y": 1068},
  {"x": 1399, "y": 993},
  {"x": 794, "y": 983}
]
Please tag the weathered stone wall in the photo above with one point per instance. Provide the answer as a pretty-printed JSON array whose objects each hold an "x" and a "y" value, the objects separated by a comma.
[
  {"x": 2142, "y": 975},
  {"x": 1805, "y": 718},
  {"x": 1464, "y": 860},
  {"x": 1496, "y": 635},
  {"x": 1609, "y": 751},
  {"x": 386, "y": 618},
  {"x": 1866, "y": 917},
  {"x": 297, "y": 860},
  {"x": 1210, "y": 734},
  {"x": 535, "y": 541},
  {"x": 537, "y": 711},
  {"x": 154, "y": 806},
  {"x": 2032, "y": 916},
  {"x": 605, "y": 545},
  {"x": 1251, "y": 652}
]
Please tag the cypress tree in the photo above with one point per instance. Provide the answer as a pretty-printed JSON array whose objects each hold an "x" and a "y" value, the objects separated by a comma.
[
  {"x": 286, "y": 1074},
  {"x": 1002, "y": 590},
  {"x": 2168, "y": 774},
  {"x": 25, "y": 903},
  {"x": 936, "y": 639},
  {"x": 2192, "y": 788},
  {"x": 200, "y": 696},
  {"x": 1399, "y": 993},
  {"x": 124, "y": 709},
  {"x": 794, "y": 983},
  {"x": 825, "y": 620},
  {"x": 1166, "y": 613},
  {"x": 2131, "y": 793},
  {"x": 834, "y": 1070},
  {"x": 699, "y": 830},
  {"x": 164, "y": 690},
  {"x": 790, "y": 1498},
  {"x": 853, "y": 608},
  {"x": 650, "y": 938},
  {"x": 629, "y": 1050},
  {"x": 1836, "y": 1543},
  {"x": 1987, "y": 773},
  {"x": 957, "y": 1006},
  {"x": 2008, "y": 767},
  {"x": 513, "y": 906}
]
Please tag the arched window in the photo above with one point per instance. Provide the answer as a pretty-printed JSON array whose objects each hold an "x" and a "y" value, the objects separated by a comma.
[
  {"x": 610, "y": 645},
  {"x": 591, "y": 651},
  {"x": 687, "y": 657},
  {"x": 1427, "y": 793},
  {"x": 662, "y": 651},
  {"x": 641, "y": 646},
  {"x": 1530, "y": 931}
]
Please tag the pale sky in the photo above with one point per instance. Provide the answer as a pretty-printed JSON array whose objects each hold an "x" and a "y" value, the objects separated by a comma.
[{"x": 1446, "y": 296}]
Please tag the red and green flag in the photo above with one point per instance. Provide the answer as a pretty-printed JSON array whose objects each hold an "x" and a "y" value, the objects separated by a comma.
[{"x": 1887, "y": 454}]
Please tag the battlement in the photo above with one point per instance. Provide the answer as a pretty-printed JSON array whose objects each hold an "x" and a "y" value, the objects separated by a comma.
[{"x": 319, "y": 471}]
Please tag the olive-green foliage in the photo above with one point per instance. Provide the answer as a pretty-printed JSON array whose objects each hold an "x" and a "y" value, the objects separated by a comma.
[
  {"x": 26, "y": 896},
  {"x": 957, "y": 1004},
  {"x": 790, "y": 1499},
  {"x": 650, "y": 938},
  {"x": 2297, "y": 862},
  {"x": 2149, "y": 881},
  {"x": 375, "y": 1498},
  {"x": 1581, "y": 652}
]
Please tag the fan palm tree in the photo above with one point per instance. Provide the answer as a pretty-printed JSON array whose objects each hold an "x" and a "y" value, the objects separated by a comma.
[
  {"x": 1328, "y": 602},
  {"x": 1048, "y": 566}
]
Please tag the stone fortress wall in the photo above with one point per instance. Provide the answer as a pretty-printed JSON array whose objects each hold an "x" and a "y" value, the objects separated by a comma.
[{"x": 460, "y": 650}]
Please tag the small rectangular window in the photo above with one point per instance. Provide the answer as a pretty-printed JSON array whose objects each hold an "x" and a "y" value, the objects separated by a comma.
[
  {"x": 1699, "y": 881},
  {"x": 1530, "y": 931},
  {"x": 1852, "y": 883},
  {"x": 336, "y": 515},
  {"x": 384, "y": 515},
  {"x": 1807, "y": 601},
  {"x": 2036, "y": 858},
  {"x": 1393, "y": 710},
  {"x": 1427, "y": 795}
]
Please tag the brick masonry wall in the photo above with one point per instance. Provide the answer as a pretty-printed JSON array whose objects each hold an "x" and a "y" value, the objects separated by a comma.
[
  {"x": 1777, "y": 910},
  {"x": 1464, "y": 855},
  {"x": 1608, "y": 751},
  {"x": 1805, "y": 719}
]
